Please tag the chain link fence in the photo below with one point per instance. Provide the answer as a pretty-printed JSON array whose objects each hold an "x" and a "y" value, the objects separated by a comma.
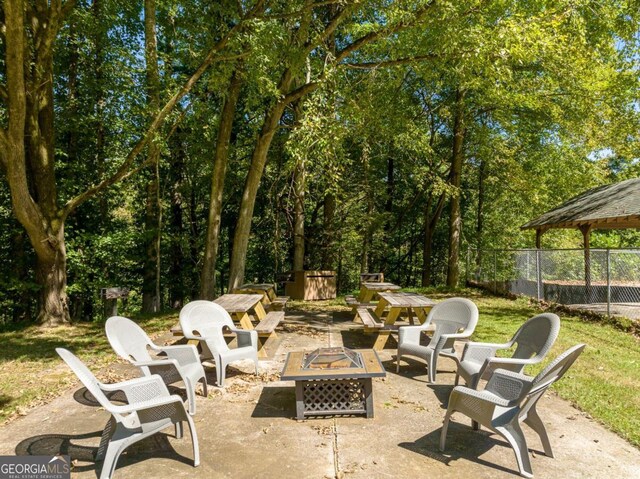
[{"x": 605, "y": 281}]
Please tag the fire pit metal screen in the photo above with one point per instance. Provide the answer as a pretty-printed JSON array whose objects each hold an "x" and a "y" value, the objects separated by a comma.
[{"x": 332, "y": 358}]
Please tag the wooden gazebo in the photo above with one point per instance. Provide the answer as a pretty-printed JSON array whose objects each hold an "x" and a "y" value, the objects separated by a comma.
[{"x": 615, "y": 206}]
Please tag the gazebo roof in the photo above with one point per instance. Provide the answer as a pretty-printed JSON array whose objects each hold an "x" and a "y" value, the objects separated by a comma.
[{"x": 615, "y": 206}]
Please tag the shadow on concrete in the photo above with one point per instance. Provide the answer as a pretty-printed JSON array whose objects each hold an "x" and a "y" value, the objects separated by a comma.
[
  {"x": 357, "y": 339},
  {"x": 155, "y": 446},
  {"x": 462, "y": 443},
  {"x": 342, "y": 316},
  {"x": 84, "y": 397},
  {"x": 442, "y": 392},
  {"x": 276, "y": 401}
]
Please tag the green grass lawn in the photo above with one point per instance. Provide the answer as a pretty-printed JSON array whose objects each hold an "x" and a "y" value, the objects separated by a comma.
[
  {"x": 32, "y": 373},
  {"x": 604, "y": 382}
]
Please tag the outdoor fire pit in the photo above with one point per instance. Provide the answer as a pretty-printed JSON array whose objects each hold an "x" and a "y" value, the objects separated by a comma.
[{"x": 332, "y": 381}]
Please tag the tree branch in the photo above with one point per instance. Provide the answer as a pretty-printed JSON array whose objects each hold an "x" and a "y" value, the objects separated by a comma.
[
  {"x": 328, "y": 31},
  {"x": 390, "y": 63},
  {"x": 297, "y": 13},
  {"x": 125, "y": 167},
  {"x": 372, "y": 36}
]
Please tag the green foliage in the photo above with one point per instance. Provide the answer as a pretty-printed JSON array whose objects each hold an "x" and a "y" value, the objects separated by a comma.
[{"x": 550, "y": 109}]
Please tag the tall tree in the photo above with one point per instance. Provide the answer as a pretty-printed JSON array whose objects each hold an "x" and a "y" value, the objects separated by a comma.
[
  {"x": 220, "y": 161},
  {"x": 153, "y": 206},
  {"x": 455, "y": 175},
  {"x": 30, "y": 166}
]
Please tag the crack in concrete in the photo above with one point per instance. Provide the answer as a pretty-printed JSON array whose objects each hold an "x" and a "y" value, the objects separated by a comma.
[{"x": 336, "y": 452}]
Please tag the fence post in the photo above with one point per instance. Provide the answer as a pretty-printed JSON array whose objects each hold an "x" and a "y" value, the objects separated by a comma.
[
  {"x": 538, "y": 275},
  {"x": 608, "y": 283}
]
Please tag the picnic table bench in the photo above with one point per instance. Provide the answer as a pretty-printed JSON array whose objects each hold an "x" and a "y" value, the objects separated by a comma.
[{"x": 392, "y": 304}]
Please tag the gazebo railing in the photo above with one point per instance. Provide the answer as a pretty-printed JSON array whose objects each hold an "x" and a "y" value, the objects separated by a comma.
[{"x": 609, "y": 283}]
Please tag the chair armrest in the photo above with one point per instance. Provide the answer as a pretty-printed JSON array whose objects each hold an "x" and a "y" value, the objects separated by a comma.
[
  {"x": 463, "y": 395},
  {"x": 184, "y": 354},
  {"x": 193, "y": 337},
  {"x": 147, "y": 386},
  {"x": 235, "y": 329},
  {"x": 461, "y": 335},
  {"x": 411, "y": 334},
  {"x": 509, "y": 385},
  {"x": 156, "y": 362},
  {"x": 492, "y": 364},
  {"x": 148, "y": 404},
  {"x": 480, "y": 352}
]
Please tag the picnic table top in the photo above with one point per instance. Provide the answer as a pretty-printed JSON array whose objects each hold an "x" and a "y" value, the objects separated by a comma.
[
  {"x": 381, "y": 286},
  {"x": 238, "y": 303},
  {"x": 407, "y": 300}
]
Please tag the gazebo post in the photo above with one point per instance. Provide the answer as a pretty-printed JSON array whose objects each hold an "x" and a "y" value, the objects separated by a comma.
[
  {"x": 539, "y": 290},
  {"x": 586, "y": 236}
]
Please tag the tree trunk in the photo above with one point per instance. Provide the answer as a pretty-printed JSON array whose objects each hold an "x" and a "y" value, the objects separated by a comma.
[
  {"x": 366, "y": 236},
  {"x": 177, "y": 260},
  {"x": 245, "y": 215},
  {"x": 455, "y": 174},
  {"x": 194, "y": 233},
  {"x": 23, "y": 298},
  {"x": 480, "y": 214},
  {"x": 153, "y": 210},
  {"x": 29, "y": 165},
  {"x": 427, "y": 248},
  {"x": 388, "y": 209},
  {"x": 298, "y": 226},
  {"x": 328, "y": 253},
  {"x": 99, "y": 40},
  {"x": 51, "y": 274},
  {"x": 208, "y": 274}
]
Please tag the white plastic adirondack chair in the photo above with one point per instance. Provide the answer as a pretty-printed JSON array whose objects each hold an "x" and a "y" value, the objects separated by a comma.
[
  {"x": 150, "y": 409},
  {"x": 509, "y": 399},
  {"x": 534, "y": 340},
  {"x": 182, "y": 363},
  {"x": 205, "y": 321},
  {"x": 454, "y": 319}
]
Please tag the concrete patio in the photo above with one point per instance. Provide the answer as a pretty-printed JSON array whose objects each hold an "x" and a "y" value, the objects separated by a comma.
[{"x": 247, "y": 429}]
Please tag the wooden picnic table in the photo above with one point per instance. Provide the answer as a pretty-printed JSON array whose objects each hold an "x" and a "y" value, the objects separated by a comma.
[
  {"x": 239, "y": 305},
  {"x": 369, "y": 289},
  {"x": 393, "y": 304},
  {"x": 266, "y": 290}
]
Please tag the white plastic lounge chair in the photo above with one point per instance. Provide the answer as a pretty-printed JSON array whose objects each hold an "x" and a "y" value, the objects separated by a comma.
[
  {"x": 182, "y": 363},
  {"x": 150, "y": 409},
  {"x": 454, "y": 319},
  {"x": 205, "y": 321},
  {"x": 534, "y": 340},
  {"x": 509, "y": 399}
]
